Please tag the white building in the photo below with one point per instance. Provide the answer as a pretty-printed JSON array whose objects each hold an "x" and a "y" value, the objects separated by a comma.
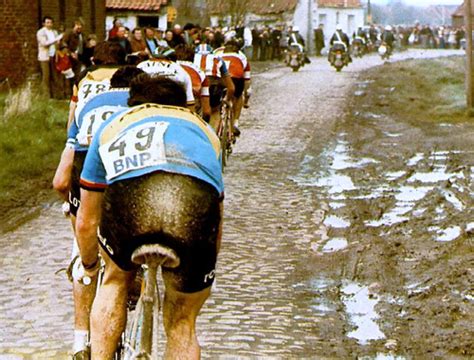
[
  {"x": 135, "y": 13},
  {"x": 347, "y": 13}
]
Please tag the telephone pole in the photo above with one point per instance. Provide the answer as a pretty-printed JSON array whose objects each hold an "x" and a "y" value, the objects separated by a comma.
[
  {"x": 369, "y": 13},
  {"x": 469, "y": 67}
]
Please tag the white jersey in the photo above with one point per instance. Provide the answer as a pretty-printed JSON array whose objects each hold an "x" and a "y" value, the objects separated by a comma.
[
  {"x": 95, "y": 82},
  {"x": 172, "y": 70}
]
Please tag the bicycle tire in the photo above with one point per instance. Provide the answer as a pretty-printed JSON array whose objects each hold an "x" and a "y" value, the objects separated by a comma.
[{"x": 224, "y": 134}]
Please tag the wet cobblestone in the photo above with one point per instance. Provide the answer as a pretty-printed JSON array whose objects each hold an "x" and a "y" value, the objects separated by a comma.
[{"x": 259, "y": 308}]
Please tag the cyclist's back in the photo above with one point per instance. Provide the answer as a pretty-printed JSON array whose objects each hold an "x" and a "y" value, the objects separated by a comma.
[{"x": 156, "y": 171}]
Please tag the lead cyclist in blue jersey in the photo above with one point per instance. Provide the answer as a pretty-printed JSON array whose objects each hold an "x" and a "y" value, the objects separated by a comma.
[{"x": 152, "y": 175}]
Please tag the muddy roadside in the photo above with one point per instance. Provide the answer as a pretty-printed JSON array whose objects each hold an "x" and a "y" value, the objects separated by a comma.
[{"x": 399, "y": 226}]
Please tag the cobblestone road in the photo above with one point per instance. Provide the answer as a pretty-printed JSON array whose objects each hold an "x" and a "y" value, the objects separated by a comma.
[{"x": 260, "y": 305}]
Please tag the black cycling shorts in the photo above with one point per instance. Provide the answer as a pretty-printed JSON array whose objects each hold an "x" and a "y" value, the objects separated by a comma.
[
  {"x": 239, "y": 86},
  {"x": 75, "y": 191},
  {"x": 175, "y": 210}
]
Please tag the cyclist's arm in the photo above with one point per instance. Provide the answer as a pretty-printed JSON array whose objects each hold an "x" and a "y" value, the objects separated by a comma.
[
  {"x": 62, "y": 177},
  {"x": 229, "y": 84},
  {"x": 247, "y": 75},
  {"x": 205, "y": 98},
  {"x": 72, "y": 106},
  {"x": 88, "y": 220}
]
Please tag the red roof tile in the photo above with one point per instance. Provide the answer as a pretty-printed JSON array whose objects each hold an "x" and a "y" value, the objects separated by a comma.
[
  {"x": 339, "y": 3},
  {"x": 135, "y": 4},
  {"x": 256, "y": 7}
]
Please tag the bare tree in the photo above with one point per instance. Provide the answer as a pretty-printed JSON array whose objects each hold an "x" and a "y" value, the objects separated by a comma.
[{"x": 238, "y": 9}]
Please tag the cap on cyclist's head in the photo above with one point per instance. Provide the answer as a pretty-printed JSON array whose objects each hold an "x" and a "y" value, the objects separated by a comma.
[
  {"x": 203, "y": 49},
  {"x": 163, "y": 52}
]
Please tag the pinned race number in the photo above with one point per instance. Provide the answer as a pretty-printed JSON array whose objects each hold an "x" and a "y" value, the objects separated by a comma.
[
  {"x": 91, "y": 122},
  {"x": 136, "y": 148}
]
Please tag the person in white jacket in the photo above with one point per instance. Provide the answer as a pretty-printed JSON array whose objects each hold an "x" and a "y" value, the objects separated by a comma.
[{"x": 47, "y": 39}]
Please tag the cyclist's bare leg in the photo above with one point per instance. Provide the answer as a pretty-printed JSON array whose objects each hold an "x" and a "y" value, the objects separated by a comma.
[
  {"x": 215, "y": 118},
  {"x": 180, "y": 311},
  {"x": 237, "y": 106},
  {"x": 109, "y": 311},
  {"x": 83, "y": 296}
]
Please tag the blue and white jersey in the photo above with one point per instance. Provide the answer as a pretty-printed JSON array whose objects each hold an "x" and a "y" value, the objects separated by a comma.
[
  {"x": 149, "y": 138},
  {"x": 94, "y": 112}
]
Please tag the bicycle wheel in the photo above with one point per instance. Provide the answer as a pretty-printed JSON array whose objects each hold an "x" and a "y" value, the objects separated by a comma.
[
  {"x": 224, "y": 133},
  {"x": 140, "y": 332}
]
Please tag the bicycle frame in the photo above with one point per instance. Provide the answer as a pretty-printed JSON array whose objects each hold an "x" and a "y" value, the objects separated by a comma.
[{"x": 224, "y": 131}]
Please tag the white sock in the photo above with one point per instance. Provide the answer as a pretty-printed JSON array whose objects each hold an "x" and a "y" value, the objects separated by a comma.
[
  {"x": 81, "y": 340},
  {"x": 75, "y": 248}
]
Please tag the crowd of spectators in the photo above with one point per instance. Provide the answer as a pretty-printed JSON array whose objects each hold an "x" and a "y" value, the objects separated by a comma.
[
  {"x": 64, "y": 54},
  {"x": 422, "y": 36}
]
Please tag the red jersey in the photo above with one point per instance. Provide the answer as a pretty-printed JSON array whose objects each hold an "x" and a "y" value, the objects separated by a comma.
[{"x": 198, "y": 78}]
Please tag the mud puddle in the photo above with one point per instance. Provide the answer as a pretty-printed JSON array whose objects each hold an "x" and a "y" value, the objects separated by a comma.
[{"x": 399, "y": 216}]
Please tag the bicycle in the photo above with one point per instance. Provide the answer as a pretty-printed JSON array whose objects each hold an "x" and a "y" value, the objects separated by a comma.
[
  {"x": 140, "y": 339},
  {"x": 225, "y": 131}
]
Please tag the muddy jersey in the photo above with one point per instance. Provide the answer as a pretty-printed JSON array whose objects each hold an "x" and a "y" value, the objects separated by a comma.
[
  {"x": 198, "y": 78},
  {"x": 95, "y": 82},
  {"x": 212, "y": 65},
  {"x": 172, "y": 70},
  {"x": 149, "y": 138},
  {"x": 93, "y": 113}
]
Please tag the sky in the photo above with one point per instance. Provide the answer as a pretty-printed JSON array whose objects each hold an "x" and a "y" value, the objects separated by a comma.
[{"x": 423, "y": 2}]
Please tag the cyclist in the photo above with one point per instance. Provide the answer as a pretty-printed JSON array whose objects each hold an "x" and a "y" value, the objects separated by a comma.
[
  {"x": 80, "y": 133},
  {"x": 219, "y": 78},
  {"x": 164, "y": 63},
  {"x": 239, "y": 69},
  {"x": 108, "y": 57},
  {"x": 152, "y": 175},
  {"x": 185, "y": 57}
]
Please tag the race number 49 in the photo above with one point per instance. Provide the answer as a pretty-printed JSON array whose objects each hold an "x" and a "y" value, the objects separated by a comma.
[{"x": 137, "y": 148}]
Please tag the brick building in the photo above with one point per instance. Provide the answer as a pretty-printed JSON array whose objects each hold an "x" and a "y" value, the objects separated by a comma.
[{"x": 21, "y": 20}]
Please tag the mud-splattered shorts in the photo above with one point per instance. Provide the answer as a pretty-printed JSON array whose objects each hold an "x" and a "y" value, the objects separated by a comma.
[{"x": 178, "y": 211}]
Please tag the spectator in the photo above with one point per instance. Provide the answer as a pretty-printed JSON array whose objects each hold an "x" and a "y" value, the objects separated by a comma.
[
  {"x": 218, "y": 40},
  {"x": 276, "y": 38},
  {"x": 319, "y": 39},
  {"x": 150, "y": 41},
  {"x": 171, "y": 39},
  {"x": 178, "y": 35},
  {"x": 113, "y": 32},
  {"x": 121, "y": 39},
  {"x": 63, "y": 66},
  {"x": 188, "y": 34},
  {"x": 74, "y": 39},
  {"x": 88, "y": 52},
  {"x": 159, "y": 38},
  {"x": 256, "y": 42},
  {"x": 460, "y": 34},
  {"x": 47, "y": 38},
  {"x": 138, "y": 44}
]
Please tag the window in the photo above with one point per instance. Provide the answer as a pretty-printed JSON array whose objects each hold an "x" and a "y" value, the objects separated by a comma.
[
  {"x": 351, "y": 24},
  {"x": 322, "y": 19},
  {"x": 152, "y": 21}
]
